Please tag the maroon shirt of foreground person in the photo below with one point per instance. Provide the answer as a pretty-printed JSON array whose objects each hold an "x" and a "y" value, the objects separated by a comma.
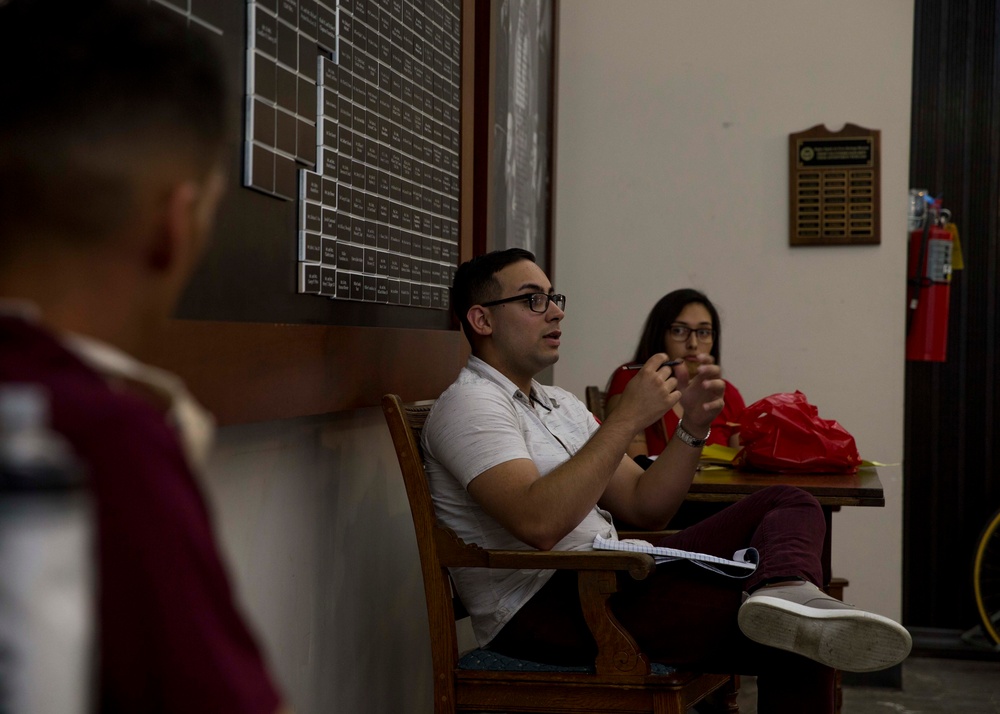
[{"x": 170, "y": 636}]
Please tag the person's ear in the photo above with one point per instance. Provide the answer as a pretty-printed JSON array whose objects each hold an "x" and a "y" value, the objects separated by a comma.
[
  {"x": 480, "y": 320},
  {"x": 211, "y": 192},
  {"x": 176, "y": 228},
  {"x": 186, "y": 222}
]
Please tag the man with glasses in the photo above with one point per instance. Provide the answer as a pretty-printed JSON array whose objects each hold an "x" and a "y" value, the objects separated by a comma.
[{"x": 513, "y": 464}]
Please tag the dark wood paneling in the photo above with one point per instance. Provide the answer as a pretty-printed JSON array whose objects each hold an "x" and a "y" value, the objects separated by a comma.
[
  {"x": 246, "y": 372},
  {"x": 482, "y": 206},
  {"x": 951, "y": 444}
]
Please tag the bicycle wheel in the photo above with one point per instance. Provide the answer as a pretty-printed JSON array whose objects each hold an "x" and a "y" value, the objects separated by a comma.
[{"x": 986, "y": 578}]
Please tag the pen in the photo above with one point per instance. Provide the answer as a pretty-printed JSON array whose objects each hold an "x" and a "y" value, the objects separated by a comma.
[{"x": 671, "y": 363}]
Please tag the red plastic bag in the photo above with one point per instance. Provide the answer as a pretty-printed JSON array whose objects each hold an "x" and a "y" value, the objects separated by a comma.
[{"x": 783, "y": 433}]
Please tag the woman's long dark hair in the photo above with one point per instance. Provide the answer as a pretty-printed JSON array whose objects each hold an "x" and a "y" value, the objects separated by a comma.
[{"x": 665, "y": 313}]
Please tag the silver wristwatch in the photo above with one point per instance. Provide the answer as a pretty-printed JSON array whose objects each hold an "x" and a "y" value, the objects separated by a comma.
[{"x": 688, "y": 438}]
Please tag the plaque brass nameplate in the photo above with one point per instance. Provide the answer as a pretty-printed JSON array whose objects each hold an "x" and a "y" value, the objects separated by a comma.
[{"x": 834, "y": 180}]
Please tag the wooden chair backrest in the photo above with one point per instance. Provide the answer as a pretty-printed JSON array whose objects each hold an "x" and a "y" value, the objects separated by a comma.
[
  {"x": 595, "y": 401},
  {"x": 405, "y": 422}
]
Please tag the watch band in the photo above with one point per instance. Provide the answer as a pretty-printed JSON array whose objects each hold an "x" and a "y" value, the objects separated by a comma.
[{"x": 688, "y": 438}]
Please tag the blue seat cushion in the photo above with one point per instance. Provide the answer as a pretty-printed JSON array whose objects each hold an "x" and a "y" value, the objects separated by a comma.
[{"x": 487, "y": 660}]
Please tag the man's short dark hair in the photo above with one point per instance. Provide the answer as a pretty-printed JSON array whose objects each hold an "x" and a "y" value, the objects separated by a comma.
[
  {"x": 476, "y": 282},
  {"x": 88, "y": 88}
]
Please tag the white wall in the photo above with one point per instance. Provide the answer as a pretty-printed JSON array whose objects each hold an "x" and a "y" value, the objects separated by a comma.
[
  {"x": 315, "y": 521},
  {"x": 672, "y": 172}
]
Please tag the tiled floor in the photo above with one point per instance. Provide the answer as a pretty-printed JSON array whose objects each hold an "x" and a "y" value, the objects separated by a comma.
[{"x": 930, "y": 686}]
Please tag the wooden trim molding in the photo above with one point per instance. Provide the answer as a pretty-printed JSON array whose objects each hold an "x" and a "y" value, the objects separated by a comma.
[{"x": 248, "y": 372}]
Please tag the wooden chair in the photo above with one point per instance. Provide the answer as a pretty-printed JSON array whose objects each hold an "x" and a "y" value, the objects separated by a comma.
[
  {"x": 595, "y": 401},
  {"x": 622, "y": 678}
]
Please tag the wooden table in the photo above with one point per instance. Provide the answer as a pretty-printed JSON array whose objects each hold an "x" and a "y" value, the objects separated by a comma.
[
  {"x": 718, "y": 485},
  {"x": 715, "y": 487}
]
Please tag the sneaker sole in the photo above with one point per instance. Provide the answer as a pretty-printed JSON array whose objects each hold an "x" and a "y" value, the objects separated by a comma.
[{"x": 848, "y": 640}]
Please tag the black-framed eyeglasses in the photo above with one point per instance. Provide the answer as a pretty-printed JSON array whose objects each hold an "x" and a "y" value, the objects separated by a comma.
[
  {"x": 681, "y": 333},
  {"x": 538, "y": 302}
]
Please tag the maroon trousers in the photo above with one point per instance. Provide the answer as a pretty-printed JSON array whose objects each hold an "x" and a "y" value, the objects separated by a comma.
[{"x": 685, "y": 616}]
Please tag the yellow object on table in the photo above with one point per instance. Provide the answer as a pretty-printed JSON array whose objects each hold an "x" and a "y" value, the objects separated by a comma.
[{"x": 718, "y": 456}]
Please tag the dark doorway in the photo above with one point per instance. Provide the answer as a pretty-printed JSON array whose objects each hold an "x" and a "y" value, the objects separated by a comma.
[{"x": 952, "y": 414}]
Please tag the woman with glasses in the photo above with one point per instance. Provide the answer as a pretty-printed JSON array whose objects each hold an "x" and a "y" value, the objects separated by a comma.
[{"x": 684, "y": 324}]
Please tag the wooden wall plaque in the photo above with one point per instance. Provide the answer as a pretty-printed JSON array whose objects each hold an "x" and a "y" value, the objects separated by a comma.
[{"x": 834, "y": 186}]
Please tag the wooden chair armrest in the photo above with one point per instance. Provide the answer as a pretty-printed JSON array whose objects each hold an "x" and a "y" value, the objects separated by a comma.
[
  {"x": 455, "y": 553},
  {"x": 651, "y": 536},
  {"x": 638, "y": 565}
]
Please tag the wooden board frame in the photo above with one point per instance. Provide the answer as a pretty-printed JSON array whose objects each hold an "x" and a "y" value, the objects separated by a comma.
[{"x": 488, "y": 34}]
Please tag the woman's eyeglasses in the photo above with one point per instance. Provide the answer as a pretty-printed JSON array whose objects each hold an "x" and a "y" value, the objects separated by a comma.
[
  {"x": 681, "y": 333},
  {"x": 538, "y": 302}
]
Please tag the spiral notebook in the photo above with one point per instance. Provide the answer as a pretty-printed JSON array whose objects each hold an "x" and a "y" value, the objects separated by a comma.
[{"x": 742, "y": 565}]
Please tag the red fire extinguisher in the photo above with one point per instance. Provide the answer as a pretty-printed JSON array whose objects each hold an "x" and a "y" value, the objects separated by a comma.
[{"x": 929, "y": 287}]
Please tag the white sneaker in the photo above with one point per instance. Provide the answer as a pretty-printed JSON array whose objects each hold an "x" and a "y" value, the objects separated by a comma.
[{"x": 803, "y": 619}]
